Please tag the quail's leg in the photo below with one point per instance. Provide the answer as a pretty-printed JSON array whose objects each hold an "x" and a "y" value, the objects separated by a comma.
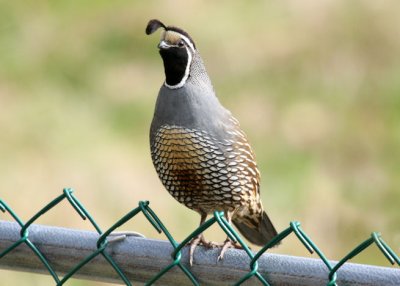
[
  {"x": 228, "y": 243},
  {"x": 198, "y": 240}
]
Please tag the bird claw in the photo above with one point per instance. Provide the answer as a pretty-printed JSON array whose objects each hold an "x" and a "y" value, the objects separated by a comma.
[
  {"x": 193, "y": 244},
  {"x": 226, "y": 245},
  {"x": 198, "y": 240}
]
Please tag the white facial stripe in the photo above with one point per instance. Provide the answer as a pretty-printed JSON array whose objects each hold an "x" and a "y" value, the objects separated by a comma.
[
  {"x": 185, "y": 76},
  {"x": 179, "y": 35},
  {"x": 186, "y": 39}
]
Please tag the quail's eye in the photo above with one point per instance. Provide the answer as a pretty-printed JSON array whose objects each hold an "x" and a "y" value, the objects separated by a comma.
[{"x": 181, "y": 43}]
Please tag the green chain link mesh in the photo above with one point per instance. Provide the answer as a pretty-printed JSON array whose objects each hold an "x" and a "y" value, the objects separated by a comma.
[{"x": 176, "y": 255}]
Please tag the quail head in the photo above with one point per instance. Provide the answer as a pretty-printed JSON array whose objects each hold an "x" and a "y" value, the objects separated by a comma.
[{"x": 201, "y": 155}]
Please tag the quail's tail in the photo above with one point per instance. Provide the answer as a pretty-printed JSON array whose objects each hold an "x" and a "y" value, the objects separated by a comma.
[{"x": 256, "y": 230}]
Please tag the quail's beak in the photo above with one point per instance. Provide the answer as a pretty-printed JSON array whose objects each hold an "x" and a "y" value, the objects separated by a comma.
[{"x": 163, "y": 45}]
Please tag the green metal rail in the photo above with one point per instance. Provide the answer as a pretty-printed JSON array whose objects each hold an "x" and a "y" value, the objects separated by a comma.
[{"x": 178, "y": 261}]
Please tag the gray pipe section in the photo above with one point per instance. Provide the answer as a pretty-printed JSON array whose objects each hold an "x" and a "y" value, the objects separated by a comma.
[{"x": 141, "y": 259}]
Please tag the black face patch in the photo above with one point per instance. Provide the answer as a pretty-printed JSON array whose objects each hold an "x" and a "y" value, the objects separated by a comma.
[{"x": 175, "y": 63}]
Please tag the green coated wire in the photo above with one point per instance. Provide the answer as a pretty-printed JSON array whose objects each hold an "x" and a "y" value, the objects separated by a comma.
[
  {"x": 176, "y": 254},
  {"x": 77, "y": 205},
  {"x": 5, "y": 208},
  {"x": 229, "y": 230},
  {"x": 152, "y": 217},
  {"x": 295, "y": 227},
  {"x": 124, "y": 219},
  {"x": 196, "y": 232},
  {"x": 311, "y": 246},
  {"x": 300, "y": 234},
  {"x": 225, "y": 226},
  {"x": 81, "y": 210},
  {"x": 68, "y": 193},
  {"x": 102, "y": 242},
  {"x": 270, "y": 244},
  {"x": 46, "y": 208},
  {"x": 386, "y": 250},
  {"x": 149, "y": 212},
  {"x": 375, "y": 238},
  {"x": 253, "y": 261},
  {"x": 24, "y": 233},
  {"x": 159, "y": 226}
]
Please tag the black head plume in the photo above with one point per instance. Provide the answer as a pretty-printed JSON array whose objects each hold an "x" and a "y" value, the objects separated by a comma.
[{"x": 153, "y": 26}]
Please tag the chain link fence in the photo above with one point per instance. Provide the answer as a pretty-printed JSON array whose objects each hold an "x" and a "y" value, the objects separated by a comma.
[{"x": 103, "y": 243}]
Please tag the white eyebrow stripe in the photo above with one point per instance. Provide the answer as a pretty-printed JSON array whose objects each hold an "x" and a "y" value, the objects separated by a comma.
[
  {"x": 183, "y": 37},
  {"x": 186, "y": 39}
]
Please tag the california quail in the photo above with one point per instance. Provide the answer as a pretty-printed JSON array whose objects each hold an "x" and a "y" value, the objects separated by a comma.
[{"x": 200, "y": 153}]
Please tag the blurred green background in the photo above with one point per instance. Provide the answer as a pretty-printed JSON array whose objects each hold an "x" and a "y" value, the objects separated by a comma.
[{"x": 315, "y": 85}]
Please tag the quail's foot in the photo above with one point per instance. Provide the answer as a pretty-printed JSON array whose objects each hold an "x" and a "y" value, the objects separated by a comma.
[
  {"x": 228, "y": 244},
  {"x": 198, "y": 240}
]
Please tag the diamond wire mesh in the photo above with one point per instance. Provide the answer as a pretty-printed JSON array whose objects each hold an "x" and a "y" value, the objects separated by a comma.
[{"x": 218, "y": 217}]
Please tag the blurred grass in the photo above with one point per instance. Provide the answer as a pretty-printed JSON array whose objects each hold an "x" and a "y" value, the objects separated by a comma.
[{"x": 315, "y": 85}]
